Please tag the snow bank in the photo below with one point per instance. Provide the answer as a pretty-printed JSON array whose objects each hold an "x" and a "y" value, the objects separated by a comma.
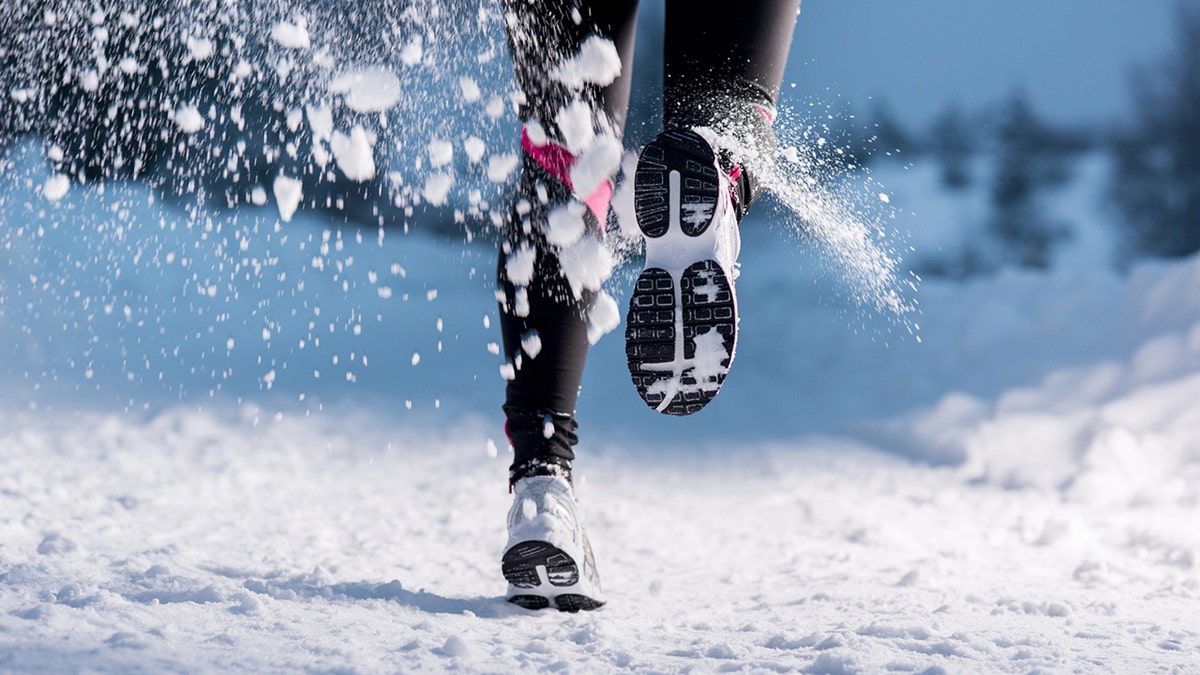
[{"x": 1120, "y": 431}]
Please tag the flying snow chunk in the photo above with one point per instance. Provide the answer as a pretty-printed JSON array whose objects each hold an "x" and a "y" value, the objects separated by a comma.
[
  {"x": 883, "y": 197},
  {"x": 353, "y": 154},
  {"x": 89, "y": 80},
  {"x": 575, "y": 123},
  {"x": 441, "y": 153},
  {"x": 200, "y": 48},
  {"x": 564, "y": 224},
  {"x": 412, "y": 52},
  {"x": 500, "y": 167},
  {"x": 291, "y": 35},
  {"x": 437, "y": 188},
  {"x": 242, "y": 70},
  {"x": 320, "y": 120},
  {"x": 586, "y": 264},
  {"x": 470, "y": 89},
  {"x": 188, "y": 119},
  {"x": 372, "y": 89},
  {"x": 531, "y": 343},
  {"x": 596, "y": 63},
  {"x": 475, "y": 148},
  {"x": 598, "y": 164},
  {"x": 258, "y": 196},
  {"x": 603, "y": 316},
  {"x": 494, "y": 108},
  {"x": 519, "y": 265},
  {"x": 288, "y": 192},
  {"x": 56, "y": 186}
]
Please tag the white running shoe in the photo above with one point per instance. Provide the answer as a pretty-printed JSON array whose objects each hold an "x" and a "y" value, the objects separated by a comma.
[
  {"x": 681, "y": 330},
  {"x": 548, "y": 560}
]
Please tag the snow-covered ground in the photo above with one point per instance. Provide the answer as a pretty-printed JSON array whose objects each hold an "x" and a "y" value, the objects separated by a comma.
[{"x": 241, "y": 447}]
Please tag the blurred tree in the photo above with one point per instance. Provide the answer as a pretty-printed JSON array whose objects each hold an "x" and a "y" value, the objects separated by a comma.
[
  {"x": 951, "y": 141},
  {"x": 1157, "y": 176},
  {"x": 1031, "y": 157},
  {"x": 889, "y": 135}
]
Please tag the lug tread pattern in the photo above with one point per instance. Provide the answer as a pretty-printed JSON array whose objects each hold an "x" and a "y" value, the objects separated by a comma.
[
  {"x": 520, "y": 567},
  {"x": 679, "y": 150}
]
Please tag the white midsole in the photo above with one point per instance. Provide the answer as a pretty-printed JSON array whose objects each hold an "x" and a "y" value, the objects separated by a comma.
[{"x": 675, "y": 251}]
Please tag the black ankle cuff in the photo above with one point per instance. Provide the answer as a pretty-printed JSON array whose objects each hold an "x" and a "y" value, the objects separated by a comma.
[
  {"x": 542, "y": 443},
  {"x": 551, "y": 466}
]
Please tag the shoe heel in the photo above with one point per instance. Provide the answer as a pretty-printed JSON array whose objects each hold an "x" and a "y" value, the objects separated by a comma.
[
  {"x": 521, "y": 562},
  {"x": 679, "y": 164}
]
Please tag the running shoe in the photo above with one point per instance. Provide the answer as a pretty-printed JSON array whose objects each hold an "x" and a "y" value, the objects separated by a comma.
[
  {"x": 681, "y": 330},
  {"x": 548, "y": 561}
]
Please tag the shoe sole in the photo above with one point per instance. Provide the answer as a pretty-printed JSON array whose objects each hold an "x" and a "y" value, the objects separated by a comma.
[
  {"x": 681, "y": 329},
  {"x": 549, "y": 576}
]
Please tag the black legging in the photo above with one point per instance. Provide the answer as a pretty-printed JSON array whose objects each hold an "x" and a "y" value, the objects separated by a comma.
[{"x": 723, "y": 65}]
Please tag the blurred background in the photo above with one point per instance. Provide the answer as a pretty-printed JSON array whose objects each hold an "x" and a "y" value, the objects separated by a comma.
[
  {"x": 144, "y": 142},
  {"x": 1033, "y": 86}
]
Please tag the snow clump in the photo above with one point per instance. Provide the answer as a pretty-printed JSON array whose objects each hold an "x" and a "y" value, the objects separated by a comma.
[
  {"x": 291, "y": 35},
  {"x": 288, "y": 192},
  {"x": 353, "y": 154},
  {"x": 188, "y": 119},
  {"x": 597, "y": 62},
  {"x": 56, "y": 187},
  {"x": 367, "y": 90}
]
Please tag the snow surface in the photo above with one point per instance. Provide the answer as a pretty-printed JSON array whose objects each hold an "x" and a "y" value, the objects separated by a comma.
[{"x": 213, "y": 460}]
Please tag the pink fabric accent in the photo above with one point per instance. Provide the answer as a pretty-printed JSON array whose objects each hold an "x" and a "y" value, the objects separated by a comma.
[
  {"x": 734, "y": 174},
  {"x": 509, "y": 437},
  {"x": 553, "y": 157},
  {"x": 769, "y": 114},
  {"x": 558, "y": 161},
  {"x": 599, "y": 200}
]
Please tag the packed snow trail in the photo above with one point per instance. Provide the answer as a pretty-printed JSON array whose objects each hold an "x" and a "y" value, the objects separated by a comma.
[{"x": 199, "y": 540}]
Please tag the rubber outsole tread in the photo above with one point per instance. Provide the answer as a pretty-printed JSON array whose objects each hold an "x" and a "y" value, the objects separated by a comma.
[
  {"x": 573, "y": 602},
  {"x": 676, "y": 150},
  {"x": 530, "y": 601},
  {"x": 520, "y": 567},
  {"x": 521, "y": 562}
]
